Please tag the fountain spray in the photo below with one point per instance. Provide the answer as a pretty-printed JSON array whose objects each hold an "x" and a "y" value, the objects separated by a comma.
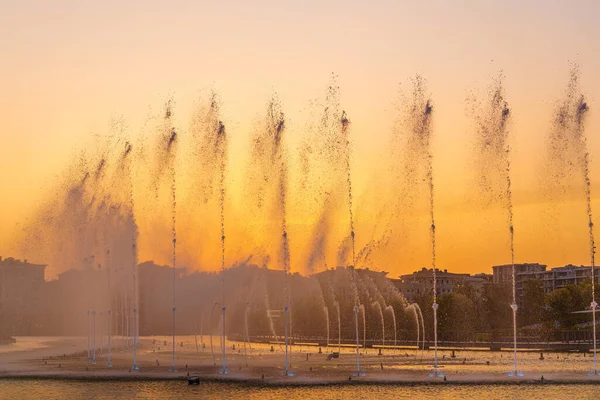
[
  {"x": 222, "y": 147},
  {"x": 513, "y": 306},
  {"x": 568, "y": 157},
  {"x": 580, "y": 111},
  {"x": 170, "y": 152},
  {"x": 418, "y": 120},
  {"x": 345, "y": 125},
  {"x": 127, "y": 172},
  {"x": 576, "y": 111},
  {"x": 494, "y": 164},
  {"x": 425, "y": 126},
  {"x": 275, "y": 130}
]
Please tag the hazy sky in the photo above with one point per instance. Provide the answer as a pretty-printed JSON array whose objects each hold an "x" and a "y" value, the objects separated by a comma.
[{"x": 68, "y": 67}]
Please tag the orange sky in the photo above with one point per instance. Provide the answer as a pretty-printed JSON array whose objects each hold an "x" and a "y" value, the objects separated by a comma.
[{"x": 69, "y": 67}]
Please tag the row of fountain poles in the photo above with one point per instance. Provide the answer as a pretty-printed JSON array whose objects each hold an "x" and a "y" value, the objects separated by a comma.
[{"x": 92, "y": 330}]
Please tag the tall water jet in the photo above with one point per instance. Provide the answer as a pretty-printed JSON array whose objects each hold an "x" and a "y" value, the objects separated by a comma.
[
  {"x": 425, "y": 131},
  {"x": 210, "y": 145},
  {"x": 345, "y": 124},
  {"x": 581, "y": 111},
  {"x": 339, "y": 318},
  {"x": 167, "y": 149},
  {"x": 569, "y": 161},
  {"x": 269, "y": 163},
  {"x": 275, "y": 125},
  {"x": 221, "y": 146},
  {"x": 126, "y": 169},
  {"x": 419, "y": 168},
  {"x": 493, "y": 151}
]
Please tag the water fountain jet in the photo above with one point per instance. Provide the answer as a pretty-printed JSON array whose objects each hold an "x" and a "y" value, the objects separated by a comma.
[{"x": 391, "y": 310}]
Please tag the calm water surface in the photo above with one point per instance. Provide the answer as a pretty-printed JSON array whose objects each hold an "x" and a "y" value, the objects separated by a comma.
[{"x": 51, "y": 389}]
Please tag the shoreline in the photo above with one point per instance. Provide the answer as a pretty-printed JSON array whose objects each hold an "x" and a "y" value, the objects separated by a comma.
[{"x": 299, "y": 381}]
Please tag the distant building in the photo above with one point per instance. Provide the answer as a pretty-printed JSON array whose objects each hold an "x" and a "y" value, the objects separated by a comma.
[
  {"x": 478, "y": 280},
  {"x": 560, "y": 277},
  {"x": 421, "y": 282},
  {"x": 551, "y": 280},
  {"x": 502, "y": 274},
  {"x": 21, "y": 294},
  {"x": 156, "y": 296}
]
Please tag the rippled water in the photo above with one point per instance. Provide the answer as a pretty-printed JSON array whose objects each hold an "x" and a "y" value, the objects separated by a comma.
[{"x": 54, "y": 389}]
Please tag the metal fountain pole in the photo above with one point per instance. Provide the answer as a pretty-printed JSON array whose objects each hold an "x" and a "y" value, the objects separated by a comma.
[
  {"x": 123, "y": 332},
  {"x": 89, "y": 355},
  {"x": 223, "y": 348},
  {"x": 135, "y": 339},
  {"x": 108, "y": 364},
  {"x": 223, "y": 310},
  {"x": 287, "y": 367},
  {"x": 247, "y": 334},
  {"x": 173, "y": 320},
  {"x": 222, "y": 215},
  {"x": 357, "y": 351},
  {"x": 435, "y": 355},
  {"x": 135, "y": 321},
  {"x": 514, "y": 305},
  {"x": 101, "y": 337},
  {"x": 345, "y": 123},
  {"x": 127, "y": 323},
  {"x": 594, "y": 305},
  {"x": 94, "y": 329}
]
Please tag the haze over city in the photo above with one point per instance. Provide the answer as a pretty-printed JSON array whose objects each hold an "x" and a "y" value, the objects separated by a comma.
[{"x": 62, "y": 101}]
